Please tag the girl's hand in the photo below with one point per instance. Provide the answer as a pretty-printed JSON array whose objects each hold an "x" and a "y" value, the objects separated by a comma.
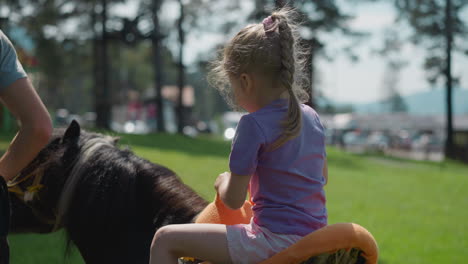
[
  {"x": 232, "y": 189},
  {"x": 222, "y": 179}
]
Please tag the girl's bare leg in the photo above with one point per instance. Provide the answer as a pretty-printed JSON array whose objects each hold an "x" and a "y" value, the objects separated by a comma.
[{"x": 201, "y": 241}]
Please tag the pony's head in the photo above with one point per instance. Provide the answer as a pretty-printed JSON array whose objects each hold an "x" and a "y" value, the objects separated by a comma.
[
  {"x": 43, "y": 182},
  {"x": 59, "y": 156}
]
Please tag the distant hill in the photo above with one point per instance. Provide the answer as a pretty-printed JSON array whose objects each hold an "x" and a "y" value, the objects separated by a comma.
[{"x": 430, "y": 102}]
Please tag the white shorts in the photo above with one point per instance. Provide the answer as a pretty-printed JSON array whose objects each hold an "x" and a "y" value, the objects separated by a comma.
[{"x": 251, "y": 244}]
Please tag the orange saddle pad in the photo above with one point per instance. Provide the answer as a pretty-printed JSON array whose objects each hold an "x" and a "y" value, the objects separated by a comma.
[
  {"x": 328, "y": 239},
  {"x": 218, "y": 213}
]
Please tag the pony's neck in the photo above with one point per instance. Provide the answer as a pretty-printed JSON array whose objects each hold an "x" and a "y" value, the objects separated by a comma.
[{"x": 172, "y": 202}]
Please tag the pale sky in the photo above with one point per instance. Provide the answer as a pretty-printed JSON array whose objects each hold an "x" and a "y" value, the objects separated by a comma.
[
  {"x": 345, "y": 81},
  {"x": 342, "y": 80}
]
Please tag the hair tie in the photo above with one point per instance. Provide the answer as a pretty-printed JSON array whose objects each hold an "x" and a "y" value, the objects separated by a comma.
[{"x": 268, "y": 24}]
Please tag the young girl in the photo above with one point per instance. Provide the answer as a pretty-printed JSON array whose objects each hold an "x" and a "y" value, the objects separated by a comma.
[{"x": 278, "y": 153}]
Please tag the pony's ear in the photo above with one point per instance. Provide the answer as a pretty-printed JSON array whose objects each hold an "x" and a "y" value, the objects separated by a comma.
[{"x": 72, "y": 133}]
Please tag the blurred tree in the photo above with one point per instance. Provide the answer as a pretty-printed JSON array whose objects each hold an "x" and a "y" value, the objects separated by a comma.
[
  {"x": 320, "y": 18},
  {"x": 397, "y": 104},
  {"x": 156, "y": 38},
  {"x": 393, "y": 102},
  {"x": 181, "y": 67},
  {"x": 337, "y": 109},
  {"x": 440, "y": 27},
  {"x": 103, "y": 103},
  {"x": 133, "y": 68},
  {"x": 49, "y": 24},
  {"x": 203, "y": 19},
  {"x": 149, "y": 10},
  {"x": 192, "y": 20}
]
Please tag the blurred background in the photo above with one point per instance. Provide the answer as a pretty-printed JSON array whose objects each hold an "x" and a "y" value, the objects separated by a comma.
[
  {"x": 388, "y": 76},
  {"x": 389, "y": 79}
]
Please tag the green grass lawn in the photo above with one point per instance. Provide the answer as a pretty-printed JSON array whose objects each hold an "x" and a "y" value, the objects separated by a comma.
[{"x": 417, "y": 211}]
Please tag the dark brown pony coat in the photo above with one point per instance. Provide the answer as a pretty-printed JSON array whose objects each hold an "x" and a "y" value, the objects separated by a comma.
[{"x": 109, "y": 201}]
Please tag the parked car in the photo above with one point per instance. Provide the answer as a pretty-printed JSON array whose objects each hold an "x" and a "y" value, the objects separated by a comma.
[
  {"x": 377, "y": 142},
  {"x": 401, "y": 140},
  {"x": 354, "y": 138},
  {"x": 355, "y": 141}
]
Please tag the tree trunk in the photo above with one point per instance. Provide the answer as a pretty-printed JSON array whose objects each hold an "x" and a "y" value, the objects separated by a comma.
[
  {"x": 103, "y": 100},
  {"x": 105, "y": 70},
  {"x": 448, "y": 76},
  {"x": 96, "y": 68},
  {"x": 313, "y": 45},
  {"x": 181, "y": 72},
  {"x": 157, "y": 65}
]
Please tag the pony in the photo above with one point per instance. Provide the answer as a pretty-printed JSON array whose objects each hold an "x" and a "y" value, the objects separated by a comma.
[{"x": 109, "y": 201}]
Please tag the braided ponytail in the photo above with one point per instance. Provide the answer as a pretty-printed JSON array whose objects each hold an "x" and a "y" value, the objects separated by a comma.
[
  {"x": 293, "y": 122},
  {"x": 272, "y": 50}
]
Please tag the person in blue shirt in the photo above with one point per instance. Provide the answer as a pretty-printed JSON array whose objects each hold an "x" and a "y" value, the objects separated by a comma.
[{"x": 18, "y": 95}]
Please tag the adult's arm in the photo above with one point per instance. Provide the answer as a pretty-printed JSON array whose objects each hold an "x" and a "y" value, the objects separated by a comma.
[{"x": 35, "y": 126}]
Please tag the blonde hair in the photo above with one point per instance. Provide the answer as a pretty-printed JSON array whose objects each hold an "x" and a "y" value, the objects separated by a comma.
[{"x": 271, "y": 48}]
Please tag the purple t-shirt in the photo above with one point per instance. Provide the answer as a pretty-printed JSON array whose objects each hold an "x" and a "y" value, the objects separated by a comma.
[{"x": 287, "y": 184}]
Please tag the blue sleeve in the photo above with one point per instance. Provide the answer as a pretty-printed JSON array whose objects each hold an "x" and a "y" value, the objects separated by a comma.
[
  {"x": 10, "y": 68},
  {"x": 246, "y": 146}
]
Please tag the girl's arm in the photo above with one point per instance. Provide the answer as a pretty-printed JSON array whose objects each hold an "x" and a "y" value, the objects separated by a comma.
[
  {"x": 35, "y": 126},
  {"x": 232, "y": 189}
]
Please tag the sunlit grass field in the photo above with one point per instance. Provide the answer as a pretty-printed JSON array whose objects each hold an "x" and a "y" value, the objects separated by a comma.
[{"x": 417, "y": 211}]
